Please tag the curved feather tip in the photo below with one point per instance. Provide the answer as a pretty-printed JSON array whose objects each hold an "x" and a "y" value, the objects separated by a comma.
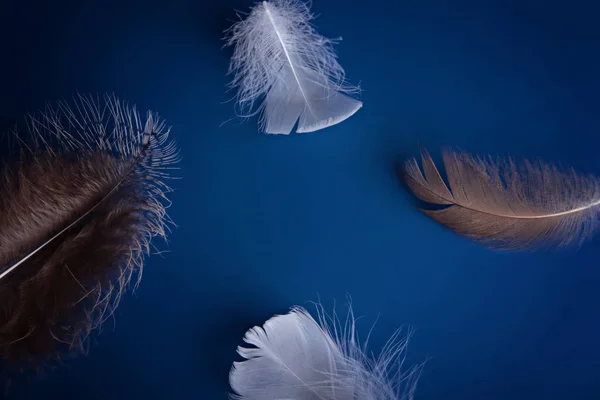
[
  {"x": 506, "y": 205},
  {"x": 295, "y": 357},
  {"x": 81, "y": 201},
  {"x": 279, "y": 57}
]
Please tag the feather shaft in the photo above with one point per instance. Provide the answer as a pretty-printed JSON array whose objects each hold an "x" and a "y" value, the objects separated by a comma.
[
  {"x": 40, "y": 247},
  {"x": 286, "y": 52},
  {"x": 450, "y": 199}
]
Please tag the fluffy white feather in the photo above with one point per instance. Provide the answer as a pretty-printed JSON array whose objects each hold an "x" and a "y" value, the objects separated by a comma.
[
  {"x": 279, "y": 57},
  {"x": 296, "y": 357}
]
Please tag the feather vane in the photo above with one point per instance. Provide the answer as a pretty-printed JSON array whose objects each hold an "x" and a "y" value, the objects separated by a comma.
[
  {"x": 295, "y": 357},
  {"x": 80, "y": 204},
  {"x": 278, "y": 56},
  {"x": 506, "y": 205}
]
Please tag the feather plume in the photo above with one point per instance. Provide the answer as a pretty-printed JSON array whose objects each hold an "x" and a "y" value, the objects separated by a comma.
[
  {"x": 280, "y": 57},
  {"x": 80, "y": 204},
  {"x": 506, "y": 205},
  {"x": 296, "y": 357}
]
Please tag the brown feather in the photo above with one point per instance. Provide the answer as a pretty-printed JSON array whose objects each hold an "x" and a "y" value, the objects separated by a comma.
[
  {"x": 504, "y": 205},
  {"x": 78, "y": 211}
]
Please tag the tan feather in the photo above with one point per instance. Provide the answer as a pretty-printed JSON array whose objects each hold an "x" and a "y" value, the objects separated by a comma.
[{"x": 507, "y": 205}]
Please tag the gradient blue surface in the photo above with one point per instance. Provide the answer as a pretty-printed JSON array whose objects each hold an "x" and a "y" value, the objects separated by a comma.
[{"x": 267, "y": 222}]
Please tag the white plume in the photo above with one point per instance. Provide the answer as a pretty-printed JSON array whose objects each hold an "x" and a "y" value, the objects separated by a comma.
[
  {"x": 296, "y": 357},
  {"x": 278, "y": 55}
]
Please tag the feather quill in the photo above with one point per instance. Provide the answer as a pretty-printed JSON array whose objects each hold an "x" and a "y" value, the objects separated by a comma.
[
  {"x": 506, "y": 205},
  {"x": 280, "y": 57},
  {"x": 80, "y": 204},
  {"x": 295, "y": 357}
]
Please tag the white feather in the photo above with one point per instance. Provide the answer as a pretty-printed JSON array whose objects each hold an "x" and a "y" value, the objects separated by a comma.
[
  {"x": 296, "y": 357},
  {"x": 279, "y": 57}
]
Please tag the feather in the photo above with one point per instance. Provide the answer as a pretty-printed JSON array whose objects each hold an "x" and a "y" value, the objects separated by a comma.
[
  {"x": 80, "y": 204},
  {"x": 296, "y": 357},
  {"x": 506, "y": 205},
  {"x": 278, "y": 55}
]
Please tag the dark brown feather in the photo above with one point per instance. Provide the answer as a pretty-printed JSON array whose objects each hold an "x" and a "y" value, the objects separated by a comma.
[
  {"x": 99, "y": 189},
  {"x": 504, "y": 205}
]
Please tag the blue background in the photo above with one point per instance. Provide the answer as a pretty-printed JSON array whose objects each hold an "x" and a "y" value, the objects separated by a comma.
[{"x": 267, "y": 222}]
